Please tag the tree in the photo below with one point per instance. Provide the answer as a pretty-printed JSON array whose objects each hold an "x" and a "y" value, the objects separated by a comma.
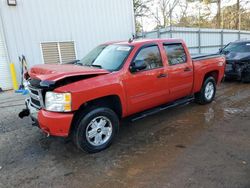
[
  {"x": 236, "y": 18},
  {"x": 164, "y": 11},
  {"x": 218, "y": 14},
  {"x": 240, "y": 11},
  {"x": 141, "y": 10},
  {"x": 230, "y": 17}
]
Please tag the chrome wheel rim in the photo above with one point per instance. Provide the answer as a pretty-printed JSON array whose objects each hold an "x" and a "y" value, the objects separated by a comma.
[
  {"x": 99, "y": 131},
  {"x": 209, "y": 91}
]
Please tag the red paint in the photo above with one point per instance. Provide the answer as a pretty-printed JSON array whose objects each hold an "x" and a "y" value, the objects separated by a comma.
[
  {"x": 57, "y": 72},
  {"x": 137, "y": 92},
  {"x": 56, "y": 124}
]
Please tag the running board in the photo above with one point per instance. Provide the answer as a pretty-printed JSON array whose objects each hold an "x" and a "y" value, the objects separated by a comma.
[{"x": 183, "y": 101}]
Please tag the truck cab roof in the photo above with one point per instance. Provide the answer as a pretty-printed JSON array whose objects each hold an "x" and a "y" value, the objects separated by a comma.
[{"x": 139, "y": 42}]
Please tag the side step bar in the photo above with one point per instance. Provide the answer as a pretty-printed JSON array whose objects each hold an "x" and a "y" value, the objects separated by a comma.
[{"x": 183, "y": 101}]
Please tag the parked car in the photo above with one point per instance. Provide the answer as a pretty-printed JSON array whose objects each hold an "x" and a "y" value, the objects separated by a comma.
[
  {"x": 87, "y": 99},
  {"x": 237, "y": 60}
]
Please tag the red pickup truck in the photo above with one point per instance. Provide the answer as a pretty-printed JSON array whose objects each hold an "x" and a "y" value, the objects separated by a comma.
[{"x": 87, "y": 98}]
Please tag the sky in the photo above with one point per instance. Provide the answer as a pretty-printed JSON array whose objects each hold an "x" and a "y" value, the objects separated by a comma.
[{"x": 149, "y": 23}]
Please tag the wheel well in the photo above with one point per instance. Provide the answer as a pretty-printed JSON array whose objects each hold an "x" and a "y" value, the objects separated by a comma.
[
  {"x": 214, "y": 74},
  {"x": 112, "y": 101}
]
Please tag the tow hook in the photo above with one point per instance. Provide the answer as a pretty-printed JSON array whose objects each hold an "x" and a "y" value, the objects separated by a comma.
[
  {"x": 46, "y": 132},
  {"x": 24, "y": 113}
]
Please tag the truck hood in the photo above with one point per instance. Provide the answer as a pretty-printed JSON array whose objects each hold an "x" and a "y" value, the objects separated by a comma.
[{"x": 57, "y": 72}]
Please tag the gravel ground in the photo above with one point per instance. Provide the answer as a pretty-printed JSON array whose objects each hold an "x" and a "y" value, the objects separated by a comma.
[{"x": 188, "y": 146}]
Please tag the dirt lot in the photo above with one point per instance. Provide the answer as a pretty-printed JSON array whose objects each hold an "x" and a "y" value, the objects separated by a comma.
[{"x": 188, "y": 146}]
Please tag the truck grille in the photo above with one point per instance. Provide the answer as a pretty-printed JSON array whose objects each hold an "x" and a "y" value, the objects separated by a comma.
[{"x": 36, "y": 98}]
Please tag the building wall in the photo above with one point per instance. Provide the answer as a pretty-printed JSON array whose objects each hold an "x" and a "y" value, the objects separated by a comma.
[{"x": 87, "y": 22}]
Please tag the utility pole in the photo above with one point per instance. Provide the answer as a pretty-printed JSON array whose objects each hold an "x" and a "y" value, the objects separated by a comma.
[
  {"x": 219, "y": 14},
  {"x": 170, "y": 15},
  {"x": 238, "y": 18},
  {"x": 157, "y": 19},
  {"x": 222, "y": 18},
  {"x": 199, "y": 16},
  {"x": 170, "y": 19},
  {"x": 142, "y": 29}
]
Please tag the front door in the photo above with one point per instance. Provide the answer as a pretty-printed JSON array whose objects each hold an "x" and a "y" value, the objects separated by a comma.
[{"x": 148, "y": 87}]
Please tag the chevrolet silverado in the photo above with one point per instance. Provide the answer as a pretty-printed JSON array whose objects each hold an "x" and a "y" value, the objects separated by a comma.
[{"x": 87, "y": 98}]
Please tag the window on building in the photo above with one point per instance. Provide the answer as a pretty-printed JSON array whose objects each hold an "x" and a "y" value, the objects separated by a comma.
[
  {"x": 58, "y": 52},
  {"x": 176, "y": 54},
  {"x": 151, "y": 56}
]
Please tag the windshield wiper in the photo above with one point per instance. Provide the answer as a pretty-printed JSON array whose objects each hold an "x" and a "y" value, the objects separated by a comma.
[
  {"x": 74, "y": 62},
  {"x": 77, "y": 62},
  {"x": 225, "y": 52},
  {"x": 98, "y": 66}
]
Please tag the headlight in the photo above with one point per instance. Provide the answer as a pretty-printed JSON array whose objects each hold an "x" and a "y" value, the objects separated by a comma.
[{"x": 58, "y": 102}]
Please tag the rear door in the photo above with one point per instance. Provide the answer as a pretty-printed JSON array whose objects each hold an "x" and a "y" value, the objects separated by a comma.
[
  {"x": 147, "y": 88},
  {"x": 180, "y": 70}
]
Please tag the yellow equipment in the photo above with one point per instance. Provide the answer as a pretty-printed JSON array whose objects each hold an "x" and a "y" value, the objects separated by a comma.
[{"x": 13, "y": 76}]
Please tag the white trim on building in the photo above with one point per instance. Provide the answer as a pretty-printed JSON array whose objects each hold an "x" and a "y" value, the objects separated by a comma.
[{"x": 5, "y": 80}]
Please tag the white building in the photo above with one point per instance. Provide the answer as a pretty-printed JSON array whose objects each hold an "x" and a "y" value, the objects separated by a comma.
[{"x": 56, "y": 31}]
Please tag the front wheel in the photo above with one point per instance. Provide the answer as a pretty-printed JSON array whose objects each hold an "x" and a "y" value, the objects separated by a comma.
[
  {"x": 96, "y": 129},
  {"x": 207, "y": 93}
]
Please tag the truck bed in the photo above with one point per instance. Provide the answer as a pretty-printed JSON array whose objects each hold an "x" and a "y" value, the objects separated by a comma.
[{"x": 207, "y": 63}]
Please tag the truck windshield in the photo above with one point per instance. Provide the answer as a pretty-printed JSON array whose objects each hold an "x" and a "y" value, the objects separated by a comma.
[
  {"x": 109, "y": 57},
  {"x": 237, "y": 47}
]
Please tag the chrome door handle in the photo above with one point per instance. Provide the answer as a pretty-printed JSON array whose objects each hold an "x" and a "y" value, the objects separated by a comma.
[
  {"x": 162, "y": 75},
  {"x": 187, "y": 69}
]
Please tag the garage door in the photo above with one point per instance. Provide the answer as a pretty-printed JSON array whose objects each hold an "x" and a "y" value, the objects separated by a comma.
[{"x": 5, "y": 79}]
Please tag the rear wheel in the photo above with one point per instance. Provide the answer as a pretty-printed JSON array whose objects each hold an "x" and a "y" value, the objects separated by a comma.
[
  {"x": 96, "y": 129},
  {"x": 207, "y": 93}
]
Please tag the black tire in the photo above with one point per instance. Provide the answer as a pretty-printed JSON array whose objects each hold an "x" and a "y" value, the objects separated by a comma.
[
  {"x": 79, "y": 130},
  {"x": 201, "y": 96}
]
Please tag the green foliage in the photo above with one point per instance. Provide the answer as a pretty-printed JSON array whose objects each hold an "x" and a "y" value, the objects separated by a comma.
[
  {"x": 230, "y": 18},
  {"x": 141, "y": 9},
  {"x": 226, "y": 17}
]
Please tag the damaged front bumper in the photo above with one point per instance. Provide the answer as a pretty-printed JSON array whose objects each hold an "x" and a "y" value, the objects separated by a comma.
[
  {"x": 30, "y": 111},
  {"x": 238, "y": 70},
  {"x": 51, "y": 123},
  {"x": 233, "y": 70}
]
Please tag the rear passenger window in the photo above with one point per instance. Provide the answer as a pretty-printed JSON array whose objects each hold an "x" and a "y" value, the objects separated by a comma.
[
  {"x": 150, "y": 56},
  {"x": 176, "y": 54}
]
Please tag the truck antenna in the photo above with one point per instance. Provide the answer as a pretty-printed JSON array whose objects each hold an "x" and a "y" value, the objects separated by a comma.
[{"x": 131, "y": 39}]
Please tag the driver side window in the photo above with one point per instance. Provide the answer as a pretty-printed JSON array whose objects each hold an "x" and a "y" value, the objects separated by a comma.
[{"x": 150, "y": 56}]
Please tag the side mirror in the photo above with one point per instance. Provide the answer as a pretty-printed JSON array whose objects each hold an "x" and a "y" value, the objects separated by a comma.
[
  {"x": 137, "y": 66},
  {"x": 220, "y": 50}
]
